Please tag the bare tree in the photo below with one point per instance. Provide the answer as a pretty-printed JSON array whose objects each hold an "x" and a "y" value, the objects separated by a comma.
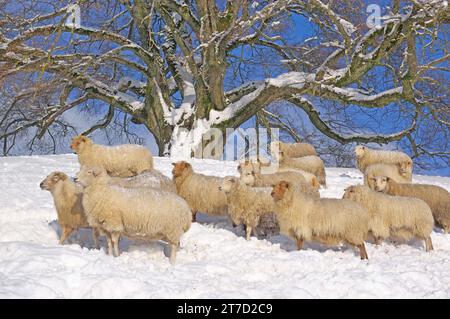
[{"x": 183, "y": 67}]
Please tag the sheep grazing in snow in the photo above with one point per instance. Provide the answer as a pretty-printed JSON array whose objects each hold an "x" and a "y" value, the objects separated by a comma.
[
  {"x": 436, "y": 197},
  {"x": 326, "y": 220},
  {"x": 366, "y": 156},
  {"x": 123, "y": 160},
  {"x": 292, "y": 150},
  {"x": 380, "y": 169},
  {"x": 267, "y": 180},
  {"x": 138, "y": 213},
  {"x": 311, "y": 164},
  {"x": 67, "y": 199},
  {"x": 394, "y": 216},
  {"x": 201, "y": 192},
  {"x": 245, "y": 204},
  {"x": 149, "y": 178}
]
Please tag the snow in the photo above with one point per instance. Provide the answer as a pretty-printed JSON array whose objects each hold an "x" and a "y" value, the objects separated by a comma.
[{"x": 214, "y": 261}]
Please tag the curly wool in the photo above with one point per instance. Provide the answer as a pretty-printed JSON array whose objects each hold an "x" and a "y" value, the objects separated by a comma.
[
  {"x": 292, "y": 150},
  {"x": 312, "y": 164}
]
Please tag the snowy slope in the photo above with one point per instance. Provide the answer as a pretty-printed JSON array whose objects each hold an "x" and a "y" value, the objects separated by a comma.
[{"x": 214, "y": 260}]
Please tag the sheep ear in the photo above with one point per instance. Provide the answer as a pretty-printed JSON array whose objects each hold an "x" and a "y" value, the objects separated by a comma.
[{"x": 174, "y": 164}]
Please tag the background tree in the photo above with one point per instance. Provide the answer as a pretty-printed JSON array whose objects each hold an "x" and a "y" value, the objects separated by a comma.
[{"x": 180, "y": 68}]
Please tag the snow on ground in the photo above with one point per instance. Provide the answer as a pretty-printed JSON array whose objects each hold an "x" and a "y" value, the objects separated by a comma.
[{"x": 214, "y": 261}]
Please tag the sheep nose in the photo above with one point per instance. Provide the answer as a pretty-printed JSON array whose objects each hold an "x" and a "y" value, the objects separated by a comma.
[
  {"x": 272, "y": 193},
  {"x": 41, "y": 185},
  {"x": 75, "y": 180},
  {"x": 220, "y": 188}
]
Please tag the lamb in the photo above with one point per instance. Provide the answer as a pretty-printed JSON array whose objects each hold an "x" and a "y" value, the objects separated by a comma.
[
  {"x": 150, "y": 178},
  {"x": 326, "y": 220},
  {"x": 292, "y": 150},
  {"x": 123, "y": 161},
  {"x": 245, "y": 204},
  {"x": 312, "y": 164},
  {"x": 436, "y": 197},
  {"x": 266, "y": 180},
  {"x": 366, "y": 156},
  {"x": 67, "y": 199},
  {"x": 138, "y": 213},
  {"x": 201, "y": 192},
  {"x": 391, "y": 216},
  {"x": 381, "y": 169}
]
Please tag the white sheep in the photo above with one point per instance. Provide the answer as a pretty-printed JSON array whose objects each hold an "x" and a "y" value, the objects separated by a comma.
[
  {"x": 200, "y": 191},
  {"x": 394, "y": 216},
  {"x": 436, "y": 197},
  {"x": 247, "y": 166},
  {"x": 326, "y": 220},
  {"x": 255, "y": 179},
  {"x": 123, "y": 160},
  {"x": 291, "y": 150},
  {"x": 150, "y": 178},
  {"x": 381, "y": 169},
  {"x": 138, "y": 213},
  {"x": 311, "y": 164},
  {"x": 246, "y": 205},
  {"x": 67, "y": 199},
  {"x": 366, "y": 156}
]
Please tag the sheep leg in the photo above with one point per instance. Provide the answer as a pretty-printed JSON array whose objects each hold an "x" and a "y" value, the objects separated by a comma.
[
  {"x": 115, "y": 236},
  {"x": 248, "y": 232},
  {"x": 65, "y": 234},
  {"x": 299, "y": 243},
  {"x": 173, "y": 253},
  {"x": 110, "y": 243},
  {"x": 95, "y": 235},
  {"x": 194, "y": 217},
  {"x": 428, "y": 244},
  {"x": 362, "y": 251}
]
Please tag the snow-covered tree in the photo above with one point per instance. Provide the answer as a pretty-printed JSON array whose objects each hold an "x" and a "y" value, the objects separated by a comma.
[{"x": 183, "y": 67}]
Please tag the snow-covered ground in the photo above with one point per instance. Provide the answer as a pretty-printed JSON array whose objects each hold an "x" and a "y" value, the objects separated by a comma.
[{"x": 214, "y": 261}]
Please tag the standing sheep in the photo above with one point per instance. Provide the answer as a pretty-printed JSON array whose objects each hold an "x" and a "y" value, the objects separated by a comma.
[
  {"x": 403, "y": 217},
  {"x": 139, "y": 213},
  {"x": 381, "y": 169},
  {"x": 436, "y": 197},
  {"x": 67, "y": 199},
  {"x": 201, "y": 192},
  {"x": 267, "y": 180},
  {"x": 123, "y": 160},
  {"x": 366, "y": 156},
  {"x": 291, "y": 150},
  {"x": 326, "y": 220},
  {"x": 312, "y": 164},
  {"x": 245, "y": 204},
  {"x": 149, "y": 178}
]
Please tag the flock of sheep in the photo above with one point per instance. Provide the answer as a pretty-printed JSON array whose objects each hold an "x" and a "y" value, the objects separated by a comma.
[{"x": 118, "y": 193}]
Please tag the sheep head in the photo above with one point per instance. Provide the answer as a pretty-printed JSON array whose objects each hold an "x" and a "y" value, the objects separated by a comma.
[
  {"x": 381, "y": 183},
  {"x": 279, "y": 190},
  {"x": 181, "y": 168},
  {"x": 353, "y": 192},
  {"x": 248, "y": 178},
  {"x": 52, "y": 181},
  {"x": 228, "y": 184},
  {"x": 89, "y": 175},
  {"x": 360, "y": 150},
  {"x": 405, "y": 168},
  {"x": 79, "y": 143}
]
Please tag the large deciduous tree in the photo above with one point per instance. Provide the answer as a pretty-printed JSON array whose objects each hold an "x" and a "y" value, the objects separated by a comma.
[{"x": 176, "y": 66}]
